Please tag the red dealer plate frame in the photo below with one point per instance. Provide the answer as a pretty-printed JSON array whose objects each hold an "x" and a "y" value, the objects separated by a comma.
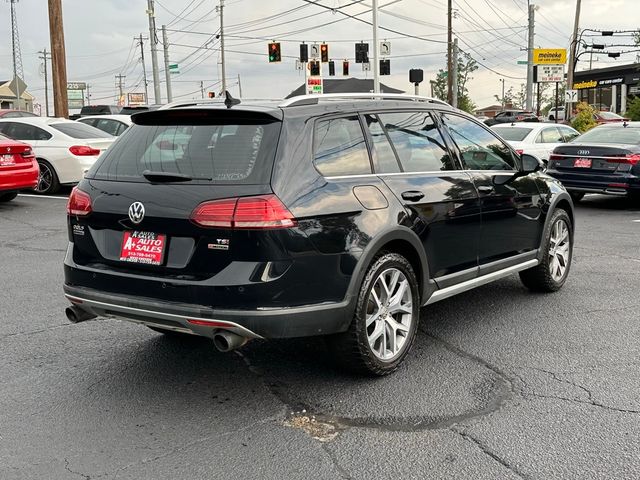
[
  {"x": 143, "y": 247},
  {"x": 582, "y": 163}
]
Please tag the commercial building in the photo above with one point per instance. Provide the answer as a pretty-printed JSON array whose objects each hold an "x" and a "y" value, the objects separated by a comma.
[
  {"x": 608, "y": 88},
  {"x": 8, "y": 96}
]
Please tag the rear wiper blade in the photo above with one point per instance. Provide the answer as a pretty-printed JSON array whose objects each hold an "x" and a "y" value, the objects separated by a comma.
[{"x": 169, "y": 177}]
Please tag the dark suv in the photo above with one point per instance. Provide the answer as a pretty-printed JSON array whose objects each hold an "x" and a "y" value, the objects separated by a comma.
[
  {"x": 510, "y": 116},
  {"x": 335, "y": 215}
]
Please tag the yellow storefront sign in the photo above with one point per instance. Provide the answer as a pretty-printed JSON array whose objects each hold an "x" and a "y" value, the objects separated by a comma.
[
  {"x": 586, "y": 84},
  {"x": 549, "y": 56}
]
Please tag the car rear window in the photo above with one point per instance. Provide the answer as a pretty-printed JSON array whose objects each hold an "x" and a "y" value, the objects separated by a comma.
[
  {"x": 513, "y": 134},
  {"x": 79, "y": 130},
  {"x": 242, "y": 152},
  {"x": 609, "y": 116},
  {"x": 624, "y": 135}
]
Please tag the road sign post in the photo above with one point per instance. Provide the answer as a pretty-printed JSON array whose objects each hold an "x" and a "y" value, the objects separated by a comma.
[{"x": 571, "y": 96}]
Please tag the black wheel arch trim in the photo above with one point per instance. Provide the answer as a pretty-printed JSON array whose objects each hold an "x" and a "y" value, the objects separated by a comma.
[
  {"x": 552, "y": 207},
  {"x": 376, "y": 246}
]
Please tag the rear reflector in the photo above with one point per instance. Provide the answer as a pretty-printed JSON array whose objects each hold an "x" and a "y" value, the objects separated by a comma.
[
  {"x": 260, "y": 212},
  {"x": 84, "y": 151},
  {"x": 79, "y": 203},
  {"x": 209, "y": 323}
]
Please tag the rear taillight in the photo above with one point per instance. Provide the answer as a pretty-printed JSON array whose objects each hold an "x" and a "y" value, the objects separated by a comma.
[
  {"x": 84, "y": 151},
  {"x": 555, "y": 157},
  {"x": 633, "y": 158},
  {"x": 79, "y": 203},
  {"x": 264, "y": 211},
  {"x": 519, "y": 151}
]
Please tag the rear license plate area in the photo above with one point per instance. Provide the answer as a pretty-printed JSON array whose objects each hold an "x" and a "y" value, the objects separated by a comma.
[
  {"x": 143, "y": 247},
  {"x": 582, "y": 163},
  {"x": 7, "y": 160}
]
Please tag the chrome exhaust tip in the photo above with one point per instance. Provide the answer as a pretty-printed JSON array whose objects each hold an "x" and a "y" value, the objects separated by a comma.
[
  {"x": 76, "y": 314},
  {"x": 226, "y": 341}
]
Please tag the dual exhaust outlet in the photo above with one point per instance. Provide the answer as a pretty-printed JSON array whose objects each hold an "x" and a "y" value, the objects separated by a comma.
[{"x": 223, "y": 340}]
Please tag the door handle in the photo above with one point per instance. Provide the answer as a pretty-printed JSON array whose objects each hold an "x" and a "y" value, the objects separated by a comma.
[
  {"x": 412, "y": 195},
  {"x": 485, "y": 189}
]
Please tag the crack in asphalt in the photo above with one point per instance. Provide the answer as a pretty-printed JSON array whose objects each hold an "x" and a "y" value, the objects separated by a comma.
[
  {"x": 485, "y": 450},
  {"x": 33, "y": 332},
  {"x": 68, "y": 469},
  {"x": 590, "y": 398}
]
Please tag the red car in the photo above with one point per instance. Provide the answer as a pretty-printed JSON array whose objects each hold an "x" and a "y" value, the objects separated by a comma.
[
  {"x": 608, "y": 117},
  {"x": 18, "y": 168},
  {"x": 15, "y": 114}
]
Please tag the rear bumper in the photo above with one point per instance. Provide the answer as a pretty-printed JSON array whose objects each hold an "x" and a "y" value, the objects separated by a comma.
[
  {"x": 309, "y": 320},
  {"x": 611, "y": 184},
  {"x": 13, "y": 180}
]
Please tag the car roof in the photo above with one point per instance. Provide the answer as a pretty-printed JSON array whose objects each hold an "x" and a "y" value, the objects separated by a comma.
[
  {"x": 619, "y": 125},
  {"x": 122, "y": 118},
  {"x": 530, "y": 125},
  {"x": 40, "y": 121}
]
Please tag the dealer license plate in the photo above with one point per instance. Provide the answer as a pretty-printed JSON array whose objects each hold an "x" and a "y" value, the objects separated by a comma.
[
  {"x": 7, "y": 160},
  {"x": 582, "y": 163},
  {"x": 143, "y": 247}
]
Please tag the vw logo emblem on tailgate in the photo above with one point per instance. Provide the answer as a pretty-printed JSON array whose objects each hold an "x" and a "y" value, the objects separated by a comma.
[{"x": 136, "y": 212}]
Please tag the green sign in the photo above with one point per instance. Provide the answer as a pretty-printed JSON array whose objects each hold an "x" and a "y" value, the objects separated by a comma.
[
  {"x": 522, "y": 62},
  {"x": 173, "y": 68}
]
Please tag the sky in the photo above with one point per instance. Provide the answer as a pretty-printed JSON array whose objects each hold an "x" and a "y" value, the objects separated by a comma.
[{"x": 99, "y": 38}]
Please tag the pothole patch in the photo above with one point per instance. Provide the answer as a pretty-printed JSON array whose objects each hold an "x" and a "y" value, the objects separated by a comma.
[{"x": 315, "y": 428}]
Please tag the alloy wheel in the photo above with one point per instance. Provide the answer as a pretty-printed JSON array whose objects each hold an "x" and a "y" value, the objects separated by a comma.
[
  {"x": 559, "y": 250},
  {"x": 389, "y": 314},
  {"x": 45, "y": 180}
]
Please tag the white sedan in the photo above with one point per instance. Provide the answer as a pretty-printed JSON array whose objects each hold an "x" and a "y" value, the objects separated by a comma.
[
  {"x": 537, "y": 139},
  {"x": 65, "y": 150},
  {"x": 112, "y": 124}
]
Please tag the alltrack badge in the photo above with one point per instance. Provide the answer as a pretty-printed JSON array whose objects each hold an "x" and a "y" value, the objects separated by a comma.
[{"x": 136, "y": 212}]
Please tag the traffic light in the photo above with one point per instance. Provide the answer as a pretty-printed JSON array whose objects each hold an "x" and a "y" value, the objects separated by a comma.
[
  {"x": 324, "y": 53},
  {"x": 385, "y": 67},
  {"x": 345, "y": 68},
  {"x": 332, "y": 68},
  {"x": 274, "y": 52},
  {"x": 362, "y": 52},
  {"x": 304, "y": 53},
  {"x": 314, "y": 68},
  {"x": 212, "y": 94}
]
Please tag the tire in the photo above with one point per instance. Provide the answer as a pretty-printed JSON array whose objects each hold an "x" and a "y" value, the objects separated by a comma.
[
  {"x": 48, "y": 181},
  {"x": 576, "y": 196},
  {"x": 7, "y": 197},
  {"x": 552, "y": 272},
  {"x": 363, "y": 348}
]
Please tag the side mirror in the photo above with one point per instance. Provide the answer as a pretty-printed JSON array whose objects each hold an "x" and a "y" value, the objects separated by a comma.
[{"x": 531, "y": 164}]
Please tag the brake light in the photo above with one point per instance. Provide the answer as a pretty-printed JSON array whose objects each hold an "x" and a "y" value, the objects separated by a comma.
[
  {"x": 519, "y": 151},
  {"x": 264, "y": 211},
  {"x": 555, "y": 157},
  {"x": 633, "y": 158},
  {"x": 84, "y": 151},
  {"x": 79, "y": 203}
]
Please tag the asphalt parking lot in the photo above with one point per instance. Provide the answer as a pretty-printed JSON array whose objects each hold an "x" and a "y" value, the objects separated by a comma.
[{"x": 501, "y": 383}]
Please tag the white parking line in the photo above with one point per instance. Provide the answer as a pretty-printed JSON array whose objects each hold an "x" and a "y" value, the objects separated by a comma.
[
  {"x": 41, "y": 196},
  {"x": 637, "y": 221}
]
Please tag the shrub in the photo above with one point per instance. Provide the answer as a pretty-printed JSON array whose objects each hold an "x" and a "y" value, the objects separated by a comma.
[
  {"x": 584, "y": 120},
  {"x": 633, "y": 109}
]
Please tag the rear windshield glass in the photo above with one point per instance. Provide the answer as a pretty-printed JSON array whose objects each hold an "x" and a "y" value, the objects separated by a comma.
[
  {"x": 513, "y": 134},
  {"x": 610, "y": 116},
  {"x": 79, "y": 130},
  {"x": 628, "y": 135},
  {"x": 242, "y": 152}
]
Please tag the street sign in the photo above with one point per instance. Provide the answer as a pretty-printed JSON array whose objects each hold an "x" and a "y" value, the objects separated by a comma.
[
  {"x": 314, "y": 85},
  {"x": 385, "y": 49},
  {"x": 549, "y": 56},
  {"x": 76, "y": 86},
  {"x": 314, "y": 52},
  {"x": 174, "y": 69},
  {"x": 523, "y": 62},
  {"x": 136, "y": 99},
  {"x": 571, "y": 96},
  {"x": 550, "y": 73},
  {"x": 75, "y": 98}
]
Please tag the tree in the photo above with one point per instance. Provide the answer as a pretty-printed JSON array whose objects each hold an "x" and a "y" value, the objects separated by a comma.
[
  {"x": 633, "y": 109},
  {"x": 466, "y": 66},
  {"x": 584, "y": 120}
]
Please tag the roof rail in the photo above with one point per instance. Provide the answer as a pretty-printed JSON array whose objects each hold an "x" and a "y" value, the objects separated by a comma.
[
  {"x": 315, "y": 99},
  {"x": 188, "y": 103}
]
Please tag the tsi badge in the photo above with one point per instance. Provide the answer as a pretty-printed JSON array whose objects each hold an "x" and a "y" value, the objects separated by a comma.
[
  {"x": 220, "y": 244},
  {"x": 136, "y": 212}
]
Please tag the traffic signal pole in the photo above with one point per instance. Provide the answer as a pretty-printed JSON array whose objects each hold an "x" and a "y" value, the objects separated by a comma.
[{"x": 376, "y": 60}]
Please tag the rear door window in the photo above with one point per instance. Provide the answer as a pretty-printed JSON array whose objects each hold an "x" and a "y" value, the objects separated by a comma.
[
  {"x": 417, "y": 141},
  {"x": 79, "y": 130},
  {"x": 340, "y": 148},
  {"x": 24, "y": 131},
  {"x": 108, "y": 125},
  {"x": 550, "y": 135},
  {"x": 384, "y": 157},
  {"x": 212, "y": 153}
]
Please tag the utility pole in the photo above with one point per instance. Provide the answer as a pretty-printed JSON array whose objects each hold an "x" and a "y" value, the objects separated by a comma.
[
  {"x": 240, "y": 86},
  {"x": 224, "y": 70},
  {"x": 88, "y": 95},
  {"x": 449, "y": 53},
  {"x": 18, "y": 72},
  {"x": 153, "y": 39},
  {"x": 454, "y": 79},
  {"x": 202, "y": 88},
  {"x": 58, "y": 60},
  {"x": 120, "y": 86},
  {"x": 376, "y": 59},
  {"x": 45, "y": 56},
  {"x": 144, "y": 67},
  {"x": 529, "y": 95},
  {"x": 167, "y": 70},
  {"x": 502, "y": 80},
  {"x": 572, "y": 57}
]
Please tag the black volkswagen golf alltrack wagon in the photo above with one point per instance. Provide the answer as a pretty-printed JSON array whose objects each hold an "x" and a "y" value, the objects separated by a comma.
[{"x": 335, "y": 215}]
